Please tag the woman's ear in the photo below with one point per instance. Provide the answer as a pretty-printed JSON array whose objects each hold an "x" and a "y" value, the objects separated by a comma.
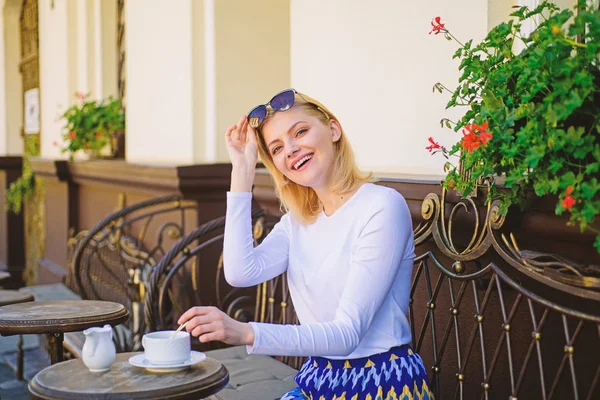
[{"x": 336, "y": 130}]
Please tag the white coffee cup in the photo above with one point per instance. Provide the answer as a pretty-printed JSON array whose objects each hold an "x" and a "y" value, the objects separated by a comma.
[{"x": 162, "y": 348}]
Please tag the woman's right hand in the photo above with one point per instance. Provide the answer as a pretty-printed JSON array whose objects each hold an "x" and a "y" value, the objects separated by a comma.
[{"x": 243, "y": 153}]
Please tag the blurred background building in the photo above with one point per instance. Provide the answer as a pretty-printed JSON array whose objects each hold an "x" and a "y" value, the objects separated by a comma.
[{"x": 187, "y": 69}]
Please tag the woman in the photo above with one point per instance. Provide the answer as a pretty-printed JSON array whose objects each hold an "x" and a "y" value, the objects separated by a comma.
[{"x": 347, "y": 247}]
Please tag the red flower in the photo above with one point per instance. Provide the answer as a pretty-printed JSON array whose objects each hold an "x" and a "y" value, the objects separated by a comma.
[
  {"x": 98, "y": 135},
  {"x": 470, "y": 142},
  {"x": 72, "y": 135},
  {"x": 474, "y": 136},
  {"x": 55, "y": 143},
  {"x": 484, "y": 137},
  {"x": 568, "y": 202},
  {"x": 437, "y": 25},
  {"x": 480, "y": 128},
  {"x": 87, "y": 146},
  {"x": 434, "y": 145}
]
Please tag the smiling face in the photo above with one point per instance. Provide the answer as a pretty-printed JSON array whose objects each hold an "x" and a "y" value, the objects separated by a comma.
[{"x": 301, "y": 143}]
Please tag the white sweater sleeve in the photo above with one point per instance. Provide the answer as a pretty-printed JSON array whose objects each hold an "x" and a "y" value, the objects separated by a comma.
[
  {"x": 245, "y": 265},
  {"x": 376, "y": 259}
]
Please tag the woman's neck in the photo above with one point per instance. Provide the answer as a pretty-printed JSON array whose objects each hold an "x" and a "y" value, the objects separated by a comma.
[{"x": 331, "y": 200}]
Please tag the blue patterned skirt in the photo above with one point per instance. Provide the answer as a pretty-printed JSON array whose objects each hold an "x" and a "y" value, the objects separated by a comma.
[{"x": 398, "y": 374}]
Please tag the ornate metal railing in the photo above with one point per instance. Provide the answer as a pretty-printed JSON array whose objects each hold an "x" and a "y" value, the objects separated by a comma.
[
  {"x": 193, "y": 252},
  {"x": 113, "y": 260},
  {"x": 490, "y": 319},
  {"x": 495, "y": 321},
  {"x": 267, "y": 302}
]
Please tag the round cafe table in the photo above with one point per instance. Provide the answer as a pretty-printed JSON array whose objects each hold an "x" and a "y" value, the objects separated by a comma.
[
  {"x": 72, "y": 380},
  {"x": 55, "y": 317},
  {"x": 13, "y": 297}
]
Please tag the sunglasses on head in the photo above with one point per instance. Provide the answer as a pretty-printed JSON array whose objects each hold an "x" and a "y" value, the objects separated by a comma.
[{"x": 282, "y": 101}]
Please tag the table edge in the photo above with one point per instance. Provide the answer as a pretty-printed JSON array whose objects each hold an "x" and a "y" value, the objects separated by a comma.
[
  {"x": 63, "y": 326},
  {"x": 27, "y": 299},
  {"x": 220, "y": 381}
]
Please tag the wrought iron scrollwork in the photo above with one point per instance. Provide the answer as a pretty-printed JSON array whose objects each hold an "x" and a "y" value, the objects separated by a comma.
[
  {"x": 490, "y": 319},
  {"x": 501, "y": 301},
  {"x": 113, "y": 260},
  {"x": 159, "y": 312}
]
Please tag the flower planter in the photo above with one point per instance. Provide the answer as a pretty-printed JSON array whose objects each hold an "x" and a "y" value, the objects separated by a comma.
[
  {"x": 531, "y": 117},
  {"x": 95, "y": 128}
]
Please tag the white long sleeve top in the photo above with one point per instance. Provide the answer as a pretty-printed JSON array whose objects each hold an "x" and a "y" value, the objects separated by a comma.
[{"x": 349, "y": 274}]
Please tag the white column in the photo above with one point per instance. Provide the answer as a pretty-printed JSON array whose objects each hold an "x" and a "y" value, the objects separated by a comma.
[
  {"x": 98, "y": 49},
  {"x": 192, "y": 70},
  {"x": 210, "y": 79},
  {"x": 11, "y": 114},
  {"x": 55, "y": 84},
  {"x": 3, "y": 121},
  {"x": 82, "y": 46},
  {"x": 252, "y": 57},
  {"x": 160, "y": 106},
  {"x": 108, "y": 42}
]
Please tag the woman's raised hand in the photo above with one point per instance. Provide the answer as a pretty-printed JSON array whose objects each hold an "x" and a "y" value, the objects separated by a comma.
[
  {"x": 241, "y": 144},
  {"x": 243, "y": 153}
]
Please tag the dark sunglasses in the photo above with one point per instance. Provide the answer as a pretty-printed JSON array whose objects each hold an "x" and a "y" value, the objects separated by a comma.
[{"x": 282, "y": 101}]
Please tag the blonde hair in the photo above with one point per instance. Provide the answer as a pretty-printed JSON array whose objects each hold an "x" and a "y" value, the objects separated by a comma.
[{"x": 302, "y": 201}]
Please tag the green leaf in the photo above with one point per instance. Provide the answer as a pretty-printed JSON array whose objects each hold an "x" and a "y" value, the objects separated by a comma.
[
  {"x": 554, "y": 183},
  {"x": 535, "y": 154},
  {"x": 574, "y": 134},
  {"x": 457, "y": 53},
  {"x": 592, "y": 168},
  {"x": 541, "y": 187},
  {"x": 589, "y": 189},
  {"x": 568, "y": 179},
  {"x": 589, "y": 211},
  {"x": 580, "y": 152},
  {"x": 596, "y": 152},
  {"x": 492, "y": 101},
  {"x": 556, "y": 165}
]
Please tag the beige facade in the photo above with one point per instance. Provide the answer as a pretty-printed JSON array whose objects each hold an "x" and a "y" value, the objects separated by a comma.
[
  {"x": 193, "y": 67},
  {"x": 11, "y": 108}
]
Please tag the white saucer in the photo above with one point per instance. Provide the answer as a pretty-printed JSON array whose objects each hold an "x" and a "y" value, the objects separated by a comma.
[{"x": 139, "y": 360}]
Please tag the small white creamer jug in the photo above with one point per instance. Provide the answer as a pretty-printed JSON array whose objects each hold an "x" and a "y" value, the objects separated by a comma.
[{"x": 99, "y": 351}]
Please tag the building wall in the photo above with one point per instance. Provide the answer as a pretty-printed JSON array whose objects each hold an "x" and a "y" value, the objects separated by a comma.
[
  {"x": 375, "y": 67},
  {"x": 204, "y": 145},
  {"x": 252, "y": 58},
  {"x": 499, "y": 11},
  {"x": 11, "y": 99},
  {"x": 73, "y": 58},
  {"x": 3, "y": 124},
  {"x": 108, "y": 43},
  {"x": 195, "y": 66},
  {"x": 159, "y": 89},
  {"x": 57, "y": 74}
]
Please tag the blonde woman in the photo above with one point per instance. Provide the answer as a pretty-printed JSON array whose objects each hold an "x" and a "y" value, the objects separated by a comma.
[{"x": 346, "y": 244}]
